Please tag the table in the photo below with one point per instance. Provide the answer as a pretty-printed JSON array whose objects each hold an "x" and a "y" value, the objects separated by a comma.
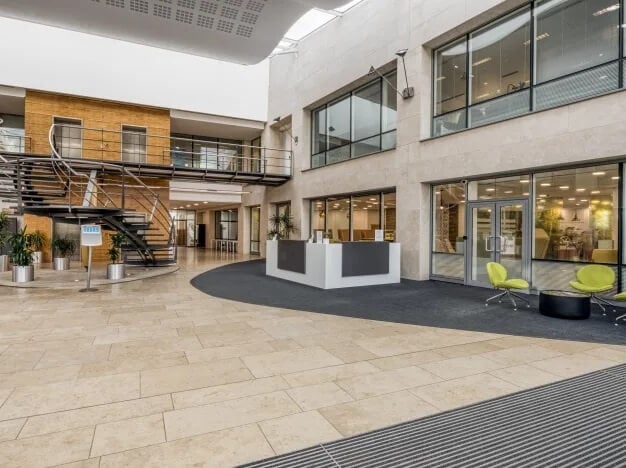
[{"x": 564, "y": 304}]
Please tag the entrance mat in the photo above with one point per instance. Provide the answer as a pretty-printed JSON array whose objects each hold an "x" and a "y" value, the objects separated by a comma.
[{"x": 576, "y": 422}]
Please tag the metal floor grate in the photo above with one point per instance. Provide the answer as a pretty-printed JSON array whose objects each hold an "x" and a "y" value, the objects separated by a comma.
[{"x": 577, "y": 422}]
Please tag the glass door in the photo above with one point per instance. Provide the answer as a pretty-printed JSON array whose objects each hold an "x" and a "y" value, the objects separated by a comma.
[{"x": 499, "y": 232}]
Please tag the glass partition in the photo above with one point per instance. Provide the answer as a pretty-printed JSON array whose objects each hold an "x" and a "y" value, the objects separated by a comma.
[
  {"x": 255, "y": 230},
  {"x": 318, "y": 217},
  {"x": 389, "y": 216},
  {"x": 449, "y": 230},
  {"x": 451, "y": 77},
  {"x": 576, "y": 215},
  {"x": 338, "y": 219},
  {"x": 365, "y": 217}
]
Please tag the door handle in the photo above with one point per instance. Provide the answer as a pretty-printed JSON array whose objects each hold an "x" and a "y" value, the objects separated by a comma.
[
  {"x": 499, "y": 248},
  {"x": 487, "y": 249}
]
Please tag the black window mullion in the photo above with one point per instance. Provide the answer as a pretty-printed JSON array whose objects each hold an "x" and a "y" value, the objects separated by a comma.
[
  {"x": 620, "y": 226},
  {"x": 622, "y": 19},
  {"x": 468, "y": 73},
  {"x": 533, "y": 36}
]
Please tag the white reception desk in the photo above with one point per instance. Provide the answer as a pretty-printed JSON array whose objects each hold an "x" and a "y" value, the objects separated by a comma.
[{"x": 331, "y": 266}]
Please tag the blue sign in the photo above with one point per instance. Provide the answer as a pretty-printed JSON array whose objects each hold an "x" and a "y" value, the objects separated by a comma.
[{"x": 91, "y": 229}]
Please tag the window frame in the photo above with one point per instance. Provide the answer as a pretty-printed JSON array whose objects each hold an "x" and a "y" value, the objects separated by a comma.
[{"x": 350, "y": 97}]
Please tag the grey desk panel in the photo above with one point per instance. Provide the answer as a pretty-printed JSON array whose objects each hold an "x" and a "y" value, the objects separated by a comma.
[
  {"x": 292, "y": 256},
  {"x": 365, "y": 258}
]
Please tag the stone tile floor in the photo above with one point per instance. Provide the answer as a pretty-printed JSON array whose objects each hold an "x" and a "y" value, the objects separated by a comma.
[{"x": 156, "y": 373}]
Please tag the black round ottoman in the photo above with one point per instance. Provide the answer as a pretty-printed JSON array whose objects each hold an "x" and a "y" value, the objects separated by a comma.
[{"x": 565, "y": 304}]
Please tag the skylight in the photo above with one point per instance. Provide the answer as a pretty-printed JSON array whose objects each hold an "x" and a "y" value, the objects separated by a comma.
[{"x": 310, "y": 22}]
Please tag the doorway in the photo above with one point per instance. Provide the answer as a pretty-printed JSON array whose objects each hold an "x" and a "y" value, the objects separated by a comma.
[{"x": 498, "y": 232}]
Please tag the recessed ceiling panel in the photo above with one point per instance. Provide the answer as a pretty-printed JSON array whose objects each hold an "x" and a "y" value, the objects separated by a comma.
[{"x": 241, "y": 31}]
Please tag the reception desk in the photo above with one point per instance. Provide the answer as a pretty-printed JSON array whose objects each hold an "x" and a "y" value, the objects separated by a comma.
[{"x": 332, "y": 266}]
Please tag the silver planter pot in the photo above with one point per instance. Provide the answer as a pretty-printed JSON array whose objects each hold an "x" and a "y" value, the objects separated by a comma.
[
  {"x": 37, "y": 257},
  {"x": 23, "y": 274},
  {"x": 4, "y": 263},
  {"x": 61, "y": 263},
  {"x": 116, "y": 271}
]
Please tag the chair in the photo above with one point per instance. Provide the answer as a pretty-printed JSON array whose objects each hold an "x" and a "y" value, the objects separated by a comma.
[
  {"x": 621, "y": 297},
  {"x": 595, "y": 279},
  {"x": 498, "y": 278}
]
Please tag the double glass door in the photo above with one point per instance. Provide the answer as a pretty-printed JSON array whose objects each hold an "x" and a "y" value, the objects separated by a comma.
[{"x": 499, "y": 232}]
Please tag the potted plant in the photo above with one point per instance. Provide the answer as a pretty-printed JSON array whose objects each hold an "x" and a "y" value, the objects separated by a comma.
[
  {"x": 116, "y": 269},
  {"x": 62, "y": 250},
  {"x": 22, "y": 257},
  {"x": 4, "y": 237},
  {"x": 37, "y": 241},
  {"x": 281, "y": 226}
]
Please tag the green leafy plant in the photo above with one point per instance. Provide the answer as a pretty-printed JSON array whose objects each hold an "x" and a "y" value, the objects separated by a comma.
[
  {"x": 21, "y": 252},
  {"x": 63, "y": 247},
  {"x": 281, "y": 226},
  {"x": 4, "y": 235},
  {"x": 115, "y": 252},
  {"x": 37, "y": 241}
]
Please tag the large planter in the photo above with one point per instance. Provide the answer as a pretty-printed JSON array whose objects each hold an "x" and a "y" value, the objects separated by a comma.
[
  {"x": 116, "y": 271},
  {"x": 4, "y": 263},
  {"x": 37, "y": 257},
  {"x": 61, "y": 263},
  {"x": 23, "y": 274}
]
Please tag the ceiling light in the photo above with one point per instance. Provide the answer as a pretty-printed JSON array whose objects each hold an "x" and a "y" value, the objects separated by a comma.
[
  {"x": 543, "y": 195},
  {"x": 525, "y": 194},
  {"x": 524, "y": 181},
  {"x": 206, "y": 202},
  {"x": 615, "y": 178},
  {"x": 595, "y": 192},
  {"x": 584, "y": 200},
  {"x": 599, "y": 173},
  {"x": 564, "y": 187},
  {"x": 508, "y": 191},
  {"x": 608, "y": 9},
  {"x": 490, "y": 190},
  {"x": 595, "y": 202},
  {"x": 196, "y": 204},
  {"x": 546, "y": 184},
  {"x": 580, "y": 189},
  {"x": 539, "y": 37},
  {"x": 571, "y": 199},
  {"x": 482, "y": 61}
]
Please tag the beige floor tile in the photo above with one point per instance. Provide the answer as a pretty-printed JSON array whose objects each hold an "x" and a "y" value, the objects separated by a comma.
[
  {"x": 19, "y": 361},
  {"x": 151, "y": 348},
  {"x": 128, "y": 434},
  {"x": 520, "y": 355},
  {"x": 204, "y": 396},
  {"x": 349, "y": 352},
  {"x": 464, "y": 391},
  {"x": 566, "y": 347},
  {"x": 51, "y": 449},
  {"x": 604, "y": 352},
  {"x": 409, "y": 343},
  {"x": 285, "y": 362},
  {"x": 38, "y": 376},
  {"x": 298, "y": 431},
  {"x": 329, "y": 374},
  {"x": 468, "y": 349},
  {"x": 284, "y": 345},
  {"x": 122, "y": 366},
  {"x": 213, "y": 328},
  {"x": 236, "y": 337},
  {"x": 225, "y": 352},
  {"x": 525, "y": 376},
  {"x": 61, "y": 396},
  {"x": 460, "y": 367},
  {"x": 318, "y": 396},
  {"x": 93, "y": 415},
  {"x": 10, "y": 429},
  {"x": 379, "y": 383},
  {"x": 4, "y": 394},
  {"x": 407, "y": 360},
  {"x": 375, "y": 413},
  {"x": 221, "y": 449},
  {"x": 188, "y": 377},
  {"x": 573, "y": 365},
  {"x": 66, "y": 357},
  {"x": 90, "y": 463},
  {"x": 226, "y": 414}
]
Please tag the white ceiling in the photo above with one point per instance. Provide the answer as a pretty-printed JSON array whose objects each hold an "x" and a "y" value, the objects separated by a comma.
[{"x": 241, "y": 31}]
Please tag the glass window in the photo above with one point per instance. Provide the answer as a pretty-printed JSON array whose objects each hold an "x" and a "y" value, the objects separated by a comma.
[
  {"x": 389, "y": 216},
  {"x": 205, "y": 155},
  {"x": 338, "y": 124},
  {"x": 226, "y": 224},
  {"x": 338, "y": 219},
  {"x": 574, "y": 35},
  {"x": 255, "y": 229},
  {"x": 319, "y": 131},
  {"x": 502, "y": 187},
  {"x": 366, "y": 113},
  {"x": 450, "y": 77},
  {"x": 181, "y": 149},
  {"x": 133, "y": 144},
  {"x": 229, "y": 155},
  {"x": 500, "y": 57},
  {"x": 365, "y": 217},
  {"x": 449, "y": 230},
  {"x": 318, "y": 217},
  {"x": 12, "y": 137},
  {"x": 254, "y": 163},
  {"x": 68, "y": 137},
  {"x": 390, "y": 103},
  {"x": 576, "y": 215}
]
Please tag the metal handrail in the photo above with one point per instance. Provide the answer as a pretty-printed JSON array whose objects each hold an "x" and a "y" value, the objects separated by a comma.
[{"x": 157, "y": 201}]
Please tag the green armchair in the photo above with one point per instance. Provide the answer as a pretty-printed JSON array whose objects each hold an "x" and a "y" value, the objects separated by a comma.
[
  {"x": 593, "y": 280},
  {"x": 498, "y": 277}
]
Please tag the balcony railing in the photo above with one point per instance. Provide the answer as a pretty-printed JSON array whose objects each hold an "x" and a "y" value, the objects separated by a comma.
[
  {"x": 11, "y": 143},
  {"x": 143, "y": 149}
]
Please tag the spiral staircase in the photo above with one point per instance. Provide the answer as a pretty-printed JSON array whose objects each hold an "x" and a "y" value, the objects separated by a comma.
[{"x": 90, "y": 191}]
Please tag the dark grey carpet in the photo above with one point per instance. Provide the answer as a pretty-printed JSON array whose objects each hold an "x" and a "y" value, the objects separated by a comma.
[
  {"x": 579, "y": 422},
  {"x": 428, "y": 303}
]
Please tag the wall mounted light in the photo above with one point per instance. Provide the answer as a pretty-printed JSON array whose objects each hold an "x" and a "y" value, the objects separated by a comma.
[{"x": 407, "y": 92}]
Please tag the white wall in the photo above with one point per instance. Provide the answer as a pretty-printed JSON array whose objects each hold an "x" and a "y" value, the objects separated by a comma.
[{"x": 51, "y": 59}]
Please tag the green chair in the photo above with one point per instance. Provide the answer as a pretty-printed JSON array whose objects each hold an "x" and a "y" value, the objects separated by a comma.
[
  {"x": 498, "y": 279},
  {"x": 593, "y": 280},
  {"x": 621, "y": 297}
]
